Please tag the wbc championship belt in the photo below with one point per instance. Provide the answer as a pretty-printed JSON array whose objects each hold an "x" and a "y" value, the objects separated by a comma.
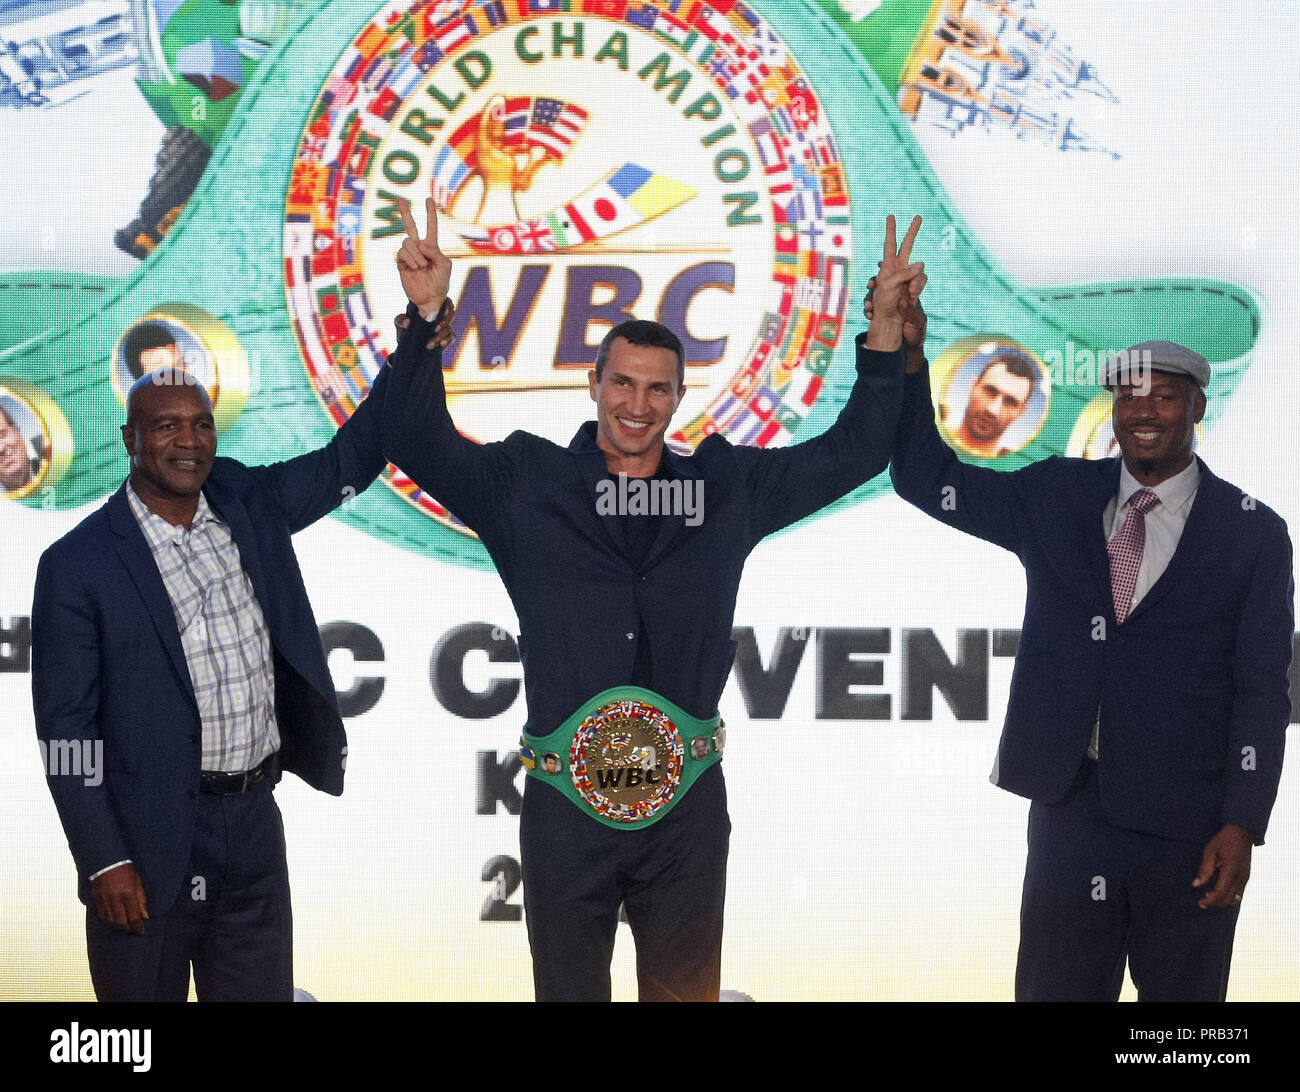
[{"x": 626, "y": 756}]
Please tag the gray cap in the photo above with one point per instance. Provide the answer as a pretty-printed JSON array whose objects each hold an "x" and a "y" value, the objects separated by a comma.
[{"x": 1130, "y": 364}]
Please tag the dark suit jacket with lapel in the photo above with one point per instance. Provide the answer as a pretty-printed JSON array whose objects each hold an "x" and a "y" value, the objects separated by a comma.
[
  {"x": 107, "y": 662},
  {"x": 581, "y": 602},
  {"x": 1192, "y": 689}
]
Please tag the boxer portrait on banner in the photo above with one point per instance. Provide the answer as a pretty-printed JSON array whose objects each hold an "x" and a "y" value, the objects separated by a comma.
[{"x": 1149, "y": 702}]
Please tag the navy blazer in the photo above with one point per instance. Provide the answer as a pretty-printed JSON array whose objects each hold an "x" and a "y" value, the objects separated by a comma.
[
  {"x": 580, "y": 599},
  {"x": 107, "y": 662},
  {"x": 1192, "y": 688}
]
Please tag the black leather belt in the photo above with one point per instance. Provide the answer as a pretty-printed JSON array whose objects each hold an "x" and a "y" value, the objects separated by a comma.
[{"x": 219, "y": 783}]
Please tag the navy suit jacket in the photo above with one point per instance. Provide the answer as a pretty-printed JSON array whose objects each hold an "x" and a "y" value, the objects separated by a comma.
[
  {"x": 1192, "y": 688},
  {"x": 581, "y": 600},
  {"x": 107, "y": 662}
]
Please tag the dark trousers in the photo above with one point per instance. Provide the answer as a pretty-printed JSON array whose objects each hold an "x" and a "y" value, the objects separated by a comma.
[
  {"x": 232, "y": 920},
  {"x": 1096, "y": 895},
  {"x": 671, "y": 876}
]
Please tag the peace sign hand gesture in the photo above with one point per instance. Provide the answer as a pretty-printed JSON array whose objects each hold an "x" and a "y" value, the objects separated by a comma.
[
  {"x": 424, "y": 268},
  {"x": 896, "y": 286}
]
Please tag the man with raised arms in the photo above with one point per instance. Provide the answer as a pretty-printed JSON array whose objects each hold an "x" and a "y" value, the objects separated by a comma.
[{"x": 626, "y": 621}]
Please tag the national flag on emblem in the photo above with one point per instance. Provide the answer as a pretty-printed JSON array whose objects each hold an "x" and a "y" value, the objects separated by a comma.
[
  {"x": 324, "y": 260},
  {"x": 788, "y": 417},
  {"x": 449, "y": 174},
  {"x": 556, "y": 124},
  {"x": 806, "y": 204},
  {"x": 812, "y": 235},
  {"x": 803, "y": 104},
  {"x": 820, "y": 151},
  {"x": 354, "y": 280},
  {"x": 769, "y": 431},
  {"x": 726, "y": 408},
  {"x": 568, "y": 228},
  {"x": 408, "y": 75},
  {"x": 378, "y": 72},
  {"x": 833, "y": 186},
  {"x": 818, "y": 360},
  {"x": 811, "y": 392},
  {"x": 787, "y": 244},
  {"x": 359, "y": 159},
  {"x": 297, "y": 271},
  {"x": 297, "y": 235},
  {"x": 772, "y": 327},
  {"x": 349, "y": 220},
  {"x": 453, "y": 34},
  {"x": 327, "y": 298},
  {"x": 648, "y": 193},
  {"x": 672, "y": 29},
  {"x": 769, "y": 142},
  {"x": 606, "y": 209},
  {"x": 371, "y": 41},
  {"x": 338, "y": 91},
  {"x": 764, "y": 402},
  {"x": 548, "y": 5},
  {"x": 335, "y": 327},
  {"x": 748, "y": 427},
  {"x": 385, "y": 104},
  {"x": 780, "y": 187},
  {"x": 534, "y": 236},
  {"x": 828, "y": 329},
  {"x": 610, "y": 9},
  {"x": 356, "y": 306},
  {"x": 304, "y": 180},
  {"x": 643, "y": 15},
  {"x": 494, "y": 11},
  {"x": 312, "y": 147},
  {"x": 515, "y": 112},
  {"x": 426, "y": 56},
  {"x": 809, "y": 294}
]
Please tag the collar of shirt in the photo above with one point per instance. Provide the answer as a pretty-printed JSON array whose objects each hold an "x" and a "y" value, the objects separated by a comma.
[
  {"x": 157, "y": 531},
  {"x": 1176, "y": 493}
]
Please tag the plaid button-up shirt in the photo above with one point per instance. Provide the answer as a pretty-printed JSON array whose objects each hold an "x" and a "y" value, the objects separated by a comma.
[{"x": 223, "y": 634}]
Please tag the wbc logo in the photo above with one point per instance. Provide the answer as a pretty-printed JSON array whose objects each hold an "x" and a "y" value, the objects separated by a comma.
[{"x": 592, "y": 160}]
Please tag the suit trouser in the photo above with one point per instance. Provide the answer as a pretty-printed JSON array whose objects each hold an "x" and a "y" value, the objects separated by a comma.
[
  {"x": 1096, "y": 895},
  {"x": 232, "y": 919},
  {"x": 671, "y": 877}
]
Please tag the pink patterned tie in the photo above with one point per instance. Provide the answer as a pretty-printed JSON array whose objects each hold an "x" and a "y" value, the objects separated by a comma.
[{"x": 1125, "y": 551}]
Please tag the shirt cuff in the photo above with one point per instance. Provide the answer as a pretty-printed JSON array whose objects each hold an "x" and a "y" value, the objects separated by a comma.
[{"x": 110, "y": 868}]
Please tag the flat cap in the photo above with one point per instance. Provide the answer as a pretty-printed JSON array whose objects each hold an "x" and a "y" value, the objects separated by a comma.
[{"x": 1129, "y": 365}]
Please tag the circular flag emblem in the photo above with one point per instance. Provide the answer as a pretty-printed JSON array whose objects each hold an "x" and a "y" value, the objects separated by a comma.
[
  {"x": 626, "y": 760},
  {"x": 616, "y": 160}
]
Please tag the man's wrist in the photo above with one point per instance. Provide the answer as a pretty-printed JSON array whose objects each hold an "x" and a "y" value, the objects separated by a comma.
[{"x": 430, "y": 313}]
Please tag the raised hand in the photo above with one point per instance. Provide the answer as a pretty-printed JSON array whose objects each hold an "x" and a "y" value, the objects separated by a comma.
[
  {"x": 914, "y": 320},
  {"x": 424, "y": 268},
  {"x": 894, "y": 284}
]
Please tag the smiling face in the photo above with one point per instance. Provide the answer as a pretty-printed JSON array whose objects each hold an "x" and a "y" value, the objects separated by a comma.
[
  {"x": 15, "y": 468},
  {"x": 635, "y": 397},
  {"x": 997, "y": 399},
  {"x": 1156, "y": 429},
  {"x": 172, "y": 439}
]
